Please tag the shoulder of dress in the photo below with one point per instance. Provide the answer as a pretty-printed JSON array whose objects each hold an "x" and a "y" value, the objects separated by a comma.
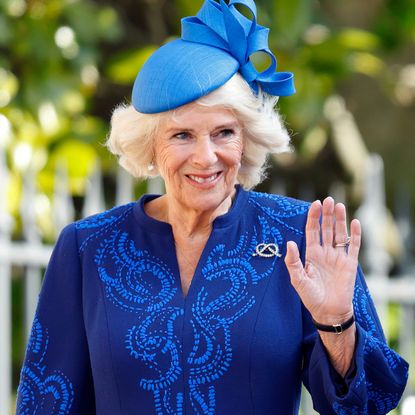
[
  {"x": 281, "y": 205},
  {"x": 92, "y": 229},
  {"x": 105, "y": 218}
]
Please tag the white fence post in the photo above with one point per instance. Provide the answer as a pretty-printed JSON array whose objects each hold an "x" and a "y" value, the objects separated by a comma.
[
  {"x": 373, "y": 216},
  {"x": 94, "y": 198},
  {"x": 155, "y": 186},
  {"x": 33, "y": 276},
  {"x": 5, "y": 290},
  {"x": 63, "y": 209},
  {"x": 125, "y": 187}
]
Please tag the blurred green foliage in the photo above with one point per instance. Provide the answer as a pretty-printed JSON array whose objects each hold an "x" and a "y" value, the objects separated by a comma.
[
  {"x": 65, "y": 64},
  {"x": 50, "y": 58}
]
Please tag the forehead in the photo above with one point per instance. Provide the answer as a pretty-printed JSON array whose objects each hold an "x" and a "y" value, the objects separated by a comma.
[{"x": 193, "y": 116}]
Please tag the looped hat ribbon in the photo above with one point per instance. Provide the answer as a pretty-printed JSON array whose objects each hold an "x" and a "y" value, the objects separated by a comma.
[{"x": 215, "y": 44}]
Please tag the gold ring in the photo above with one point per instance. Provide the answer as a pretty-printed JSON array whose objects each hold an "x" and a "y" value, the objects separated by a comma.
[{"x": 343, "y": 244}]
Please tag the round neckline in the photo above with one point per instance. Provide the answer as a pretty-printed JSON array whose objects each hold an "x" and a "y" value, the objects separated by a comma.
[{"x": 222, "y": 221}]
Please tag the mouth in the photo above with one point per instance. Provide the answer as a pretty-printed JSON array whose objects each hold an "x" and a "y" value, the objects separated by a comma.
[{"x": 201, "y": 179}]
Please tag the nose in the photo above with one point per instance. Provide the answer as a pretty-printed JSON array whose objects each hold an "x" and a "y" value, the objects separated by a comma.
[{"x": 204, "y": 152}]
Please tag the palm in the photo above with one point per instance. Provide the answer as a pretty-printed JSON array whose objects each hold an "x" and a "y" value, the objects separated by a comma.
[{"x": 326, "y": 283}]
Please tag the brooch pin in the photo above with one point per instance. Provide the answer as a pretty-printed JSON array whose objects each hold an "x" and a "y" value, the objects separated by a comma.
[{"x": 267, "y": 250}]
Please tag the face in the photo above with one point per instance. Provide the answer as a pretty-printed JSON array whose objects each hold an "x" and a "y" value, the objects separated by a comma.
[{"x": 198, "y": 154}]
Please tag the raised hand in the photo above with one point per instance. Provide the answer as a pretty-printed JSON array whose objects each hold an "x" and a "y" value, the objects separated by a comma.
[{"x": 326, "y": 283}]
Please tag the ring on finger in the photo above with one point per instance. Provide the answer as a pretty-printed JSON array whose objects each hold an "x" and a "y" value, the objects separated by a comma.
[{"x": 343, "y": 244}]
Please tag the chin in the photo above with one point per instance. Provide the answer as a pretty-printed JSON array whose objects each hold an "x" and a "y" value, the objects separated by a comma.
[{"x": 207, "y": 201}]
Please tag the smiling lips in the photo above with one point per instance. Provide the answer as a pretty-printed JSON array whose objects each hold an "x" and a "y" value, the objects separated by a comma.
[{"x": 203, "y": 179}]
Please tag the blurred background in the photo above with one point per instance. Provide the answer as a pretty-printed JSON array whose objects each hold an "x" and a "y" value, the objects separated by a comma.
[{"x": 65, "y": 65}]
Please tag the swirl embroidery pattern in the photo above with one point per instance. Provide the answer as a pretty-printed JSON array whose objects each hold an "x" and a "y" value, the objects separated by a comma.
[
  {"x": 211, "y": 355},
  {"x": 143, "y": 284},
  {"x": 138, "y": 282},
  {"x": 40, "y": 391},
  {"x": 361, "y": 308}
]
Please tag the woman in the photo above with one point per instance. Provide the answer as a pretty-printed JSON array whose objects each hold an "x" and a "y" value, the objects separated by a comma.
[{"x": 197, "y": 301}]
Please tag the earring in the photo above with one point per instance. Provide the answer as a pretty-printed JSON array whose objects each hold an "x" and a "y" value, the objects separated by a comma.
[{"x": 150, "y": 167}]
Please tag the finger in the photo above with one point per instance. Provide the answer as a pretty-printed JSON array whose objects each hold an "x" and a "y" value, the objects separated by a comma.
[
  {"x": 327, "y": 222},
  {"x": 312, "y": 228},
  {"x": 340, "y": 228},
  {"x": 294, "y": 264},
  {"x": 355, "y": 239}
]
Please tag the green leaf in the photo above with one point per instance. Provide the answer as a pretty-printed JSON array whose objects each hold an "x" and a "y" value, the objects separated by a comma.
[
  {"x": 188, "y": 7},
  {"x": 5, "y": 30},
  {"x": 90, "y": 129},
  {"x": 84, "y": 18},
  {"x": 357, "y": 39},
  {"x": 9, "y": 86},
  {"x": 366, "y": 63},
  {"x": 290, "y": 18},
  {"x": 80, "y": 159},
  {"x": 124, "y": 67},
  {"x": 109, "y": 24}
]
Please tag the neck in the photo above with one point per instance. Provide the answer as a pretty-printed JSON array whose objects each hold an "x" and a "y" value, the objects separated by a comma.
[{"x": 185, "y": 221}]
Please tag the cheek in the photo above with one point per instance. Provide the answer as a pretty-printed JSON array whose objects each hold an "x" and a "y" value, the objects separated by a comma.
[
  {"x": 168, "y": 161},
  {"x": 233, "y": 154}
]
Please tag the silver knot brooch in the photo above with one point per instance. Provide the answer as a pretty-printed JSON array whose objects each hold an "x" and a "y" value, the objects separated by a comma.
[{"x": 267, "y": 250}]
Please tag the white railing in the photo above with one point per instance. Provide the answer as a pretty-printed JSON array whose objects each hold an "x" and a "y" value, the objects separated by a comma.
[
  {"x": 27, "y": 258},
  {"x": 30, "y": 256}
]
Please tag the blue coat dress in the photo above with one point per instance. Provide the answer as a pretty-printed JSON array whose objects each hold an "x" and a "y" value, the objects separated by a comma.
[{"x": 114, "y": 335}]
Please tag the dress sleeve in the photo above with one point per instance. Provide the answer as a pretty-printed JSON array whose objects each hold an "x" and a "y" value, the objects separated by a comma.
[
  {"x": 376, "y": 380},
  {"x": 56, "y": 374}
]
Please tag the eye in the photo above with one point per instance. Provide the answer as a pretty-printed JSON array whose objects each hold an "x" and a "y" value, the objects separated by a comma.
[
  {"x": 225, "y": 133},
  {"x": 183, "y": 135}
]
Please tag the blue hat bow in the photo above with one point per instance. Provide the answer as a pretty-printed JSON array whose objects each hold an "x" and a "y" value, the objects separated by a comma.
[{"x": 224, "y": 27}]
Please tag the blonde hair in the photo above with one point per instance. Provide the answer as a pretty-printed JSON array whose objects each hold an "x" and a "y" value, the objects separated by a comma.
[{"x": 132, "y": 133}]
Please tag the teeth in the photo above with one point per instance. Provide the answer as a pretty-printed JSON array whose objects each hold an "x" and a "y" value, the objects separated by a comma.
[{"x": 203, "y": 179}]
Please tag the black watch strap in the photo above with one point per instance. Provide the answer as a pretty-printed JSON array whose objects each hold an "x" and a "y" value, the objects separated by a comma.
[{"x": 335, "y": 328}]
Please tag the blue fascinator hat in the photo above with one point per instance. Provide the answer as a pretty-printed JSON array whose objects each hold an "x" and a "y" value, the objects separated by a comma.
[{"x": 214, "y": 45}]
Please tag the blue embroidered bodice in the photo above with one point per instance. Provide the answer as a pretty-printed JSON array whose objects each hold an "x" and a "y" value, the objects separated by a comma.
[{"x": 116, "y": 335}]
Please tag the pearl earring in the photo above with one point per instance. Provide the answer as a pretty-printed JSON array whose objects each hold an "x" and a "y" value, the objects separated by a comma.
[{"x": 150, "y": 167}]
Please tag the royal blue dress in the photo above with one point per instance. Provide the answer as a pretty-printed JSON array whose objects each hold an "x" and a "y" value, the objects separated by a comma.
[{"x": 114, "y": 335}]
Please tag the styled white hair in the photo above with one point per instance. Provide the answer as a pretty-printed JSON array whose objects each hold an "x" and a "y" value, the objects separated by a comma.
[{"x": 132, "y": 134}]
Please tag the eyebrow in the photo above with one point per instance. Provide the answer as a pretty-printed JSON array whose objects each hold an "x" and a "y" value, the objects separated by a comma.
[{"x": 230, "y": 125}]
